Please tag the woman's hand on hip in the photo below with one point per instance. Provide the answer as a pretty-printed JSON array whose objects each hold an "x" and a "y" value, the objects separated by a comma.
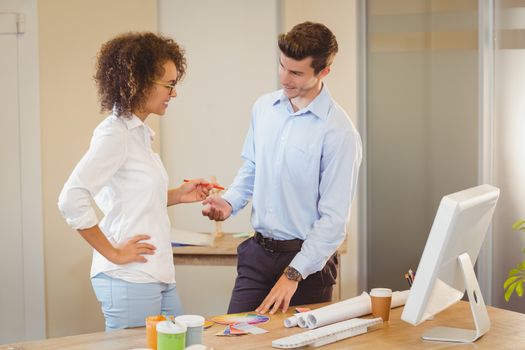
[{"x": 133, "y": 250}]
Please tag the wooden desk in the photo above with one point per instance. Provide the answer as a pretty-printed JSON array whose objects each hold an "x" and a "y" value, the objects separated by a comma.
[
  {"x": 507, "y": 332},
  {"x": 224, "y": 253}
]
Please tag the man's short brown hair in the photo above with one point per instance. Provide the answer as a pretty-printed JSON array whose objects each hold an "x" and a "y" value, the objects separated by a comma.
[{"x": 310, "y": 39}]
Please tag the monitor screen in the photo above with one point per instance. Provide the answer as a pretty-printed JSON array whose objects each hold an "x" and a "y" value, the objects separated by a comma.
[{"x": 445, "y": 270}]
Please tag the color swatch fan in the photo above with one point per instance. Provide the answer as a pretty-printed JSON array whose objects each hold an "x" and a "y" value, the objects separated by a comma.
[{"x": 249, "y": 318}]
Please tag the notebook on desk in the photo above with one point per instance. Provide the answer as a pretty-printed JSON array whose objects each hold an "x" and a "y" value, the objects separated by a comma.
[
  {"x": 327, "y": 334},
  {"x": 183, "y": 238}
]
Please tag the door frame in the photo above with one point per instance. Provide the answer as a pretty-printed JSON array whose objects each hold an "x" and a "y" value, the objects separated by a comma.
[{"x": 30, "y": 168}]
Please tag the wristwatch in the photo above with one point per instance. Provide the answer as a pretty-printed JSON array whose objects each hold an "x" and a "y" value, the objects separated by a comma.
[{"x": 292, "y": 274}]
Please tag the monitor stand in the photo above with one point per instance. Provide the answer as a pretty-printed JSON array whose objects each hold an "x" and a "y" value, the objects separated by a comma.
[{"x": 477, "y": 306}]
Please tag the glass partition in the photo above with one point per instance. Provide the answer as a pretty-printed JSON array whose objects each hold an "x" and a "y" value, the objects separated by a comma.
[{"x": 422, "y": 124}]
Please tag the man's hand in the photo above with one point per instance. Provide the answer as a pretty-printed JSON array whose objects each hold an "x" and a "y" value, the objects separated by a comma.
[
  {"x": 216, "y": 208},
  {"x": 280, "y": 295}
]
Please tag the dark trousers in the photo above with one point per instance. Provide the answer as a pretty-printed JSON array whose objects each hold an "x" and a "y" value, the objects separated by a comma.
[{"x": 258, "y": 270}]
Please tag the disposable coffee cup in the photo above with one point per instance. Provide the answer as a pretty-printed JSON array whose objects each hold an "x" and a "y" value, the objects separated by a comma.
[
  {"x": 194, "y": 324},
  {"x": 381, "y": 299},
  {"x": 171, "y": 336}
]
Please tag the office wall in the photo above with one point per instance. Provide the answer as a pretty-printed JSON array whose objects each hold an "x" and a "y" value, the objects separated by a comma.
[
  {"x": 232, "y": 59},
  {"x": 70, "y": 33},
  {"x": 422, "y": 122}
]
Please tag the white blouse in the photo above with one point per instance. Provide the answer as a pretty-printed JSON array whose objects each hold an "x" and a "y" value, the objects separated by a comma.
[{"x": 129, "y": 184}]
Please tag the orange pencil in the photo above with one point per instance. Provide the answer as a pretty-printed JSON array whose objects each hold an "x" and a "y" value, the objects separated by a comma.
[{"x": 214, "y": 185}]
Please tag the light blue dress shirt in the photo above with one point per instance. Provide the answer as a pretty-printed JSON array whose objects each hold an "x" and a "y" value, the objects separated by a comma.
[{"x": 300, "y": 169}]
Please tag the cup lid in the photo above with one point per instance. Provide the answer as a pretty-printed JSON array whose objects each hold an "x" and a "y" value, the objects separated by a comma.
[
  {"x": 155, "y": 318},
  {"x": 381, "y": 292},
  {"x": 190, "y": 320},
  {"x": 168, "y": 327}
]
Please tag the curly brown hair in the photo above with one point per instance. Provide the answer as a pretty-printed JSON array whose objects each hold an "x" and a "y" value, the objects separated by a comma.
[
  {"x": 309, "y": 39},
  {"x": 127, "y": 67}
]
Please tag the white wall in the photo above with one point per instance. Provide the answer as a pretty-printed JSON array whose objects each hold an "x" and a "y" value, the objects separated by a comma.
[{"x": 232, "y": 59}]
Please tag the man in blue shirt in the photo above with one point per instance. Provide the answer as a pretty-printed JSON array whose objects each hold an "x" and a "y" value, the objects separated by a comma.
[{"x": 301, "y": 161}]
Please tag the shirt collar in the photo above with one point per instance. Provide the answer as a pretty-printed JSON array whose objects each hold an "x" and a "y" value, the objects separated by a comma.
[
  {"x": 135, "y": 122},
  {"x": 320, "y": 105},
  {"x": 132, "y": 122}
]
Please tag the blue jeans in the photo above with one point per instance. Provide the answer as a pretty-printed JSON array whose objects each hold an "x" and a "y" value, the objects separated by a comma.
[{"x": 125, "y": 304}]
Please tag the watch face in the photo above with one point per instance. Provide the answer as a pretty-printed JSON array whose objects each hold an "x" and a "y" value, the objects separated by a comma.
[{"x": 292, "y": 274}]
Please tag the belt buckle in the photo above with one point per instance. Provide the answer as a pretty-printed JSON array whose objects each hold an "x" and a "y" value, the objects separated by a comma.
[{"x": 265, "y": 243}]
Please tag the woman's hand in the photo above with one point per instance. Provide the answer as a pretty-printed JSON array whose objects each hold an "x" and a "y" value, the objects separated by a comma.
[
  {"x": 133, "y": 250},
  {"x": 192, "y": 191}
]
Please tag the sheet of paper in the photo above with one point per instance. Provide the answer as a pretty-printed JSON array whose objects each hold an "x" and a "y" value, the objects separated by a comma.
[
  {"x": 249, "y": 328},
  {"x": 230, "y": 330},
  {"x": 191, "y": 238}
]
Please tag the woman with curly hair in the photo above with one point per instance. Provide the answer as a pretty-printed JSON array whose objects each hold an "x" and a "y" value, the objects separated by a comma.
[{"x": 132, "y": 272}]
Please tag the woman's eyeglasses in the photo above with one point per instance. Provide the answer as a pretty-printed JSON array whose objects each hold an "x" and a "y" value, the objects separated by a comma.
[{"x": 170, "y": 87}]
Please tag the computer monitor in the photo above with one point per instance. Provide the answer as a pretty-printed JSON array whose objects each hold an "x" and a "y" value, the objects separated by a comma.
[{"x": 446, "y": 269}]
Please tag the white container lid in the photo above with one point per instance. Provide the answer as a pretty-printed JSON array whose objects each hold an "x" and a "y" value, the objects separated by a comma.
[
  {"x": 190, "y": 320},
  {"x": 168, "y": 327}
]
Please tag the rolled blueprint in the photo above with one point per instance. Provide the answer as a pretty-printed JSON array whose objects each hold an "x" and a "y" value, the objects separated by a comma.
[
  {"x": 301, "y": 320},
  {"x": 399, "y": 298},
  {"x": 291, "y": 321},
  {"x": 298, "y": 319},
  {"x": 347, "y": 309}
]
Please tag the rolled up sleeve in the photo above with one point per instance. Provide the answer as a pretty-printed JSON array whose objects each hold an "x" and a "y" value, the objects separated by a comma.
[{"x": 105, "y": 156}]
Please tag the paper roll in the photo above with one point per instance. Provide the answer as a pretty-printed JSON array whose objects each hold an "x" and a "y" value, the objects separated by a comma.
[
  {"x": 399, "y": 298},
  {"x": 344, "y": 310},
  {"x": 301, "y": 320},
  {"x": 347, "y": 309},
  {"x": 290, "y": 321},
  {"x": 298, "y": 319}
]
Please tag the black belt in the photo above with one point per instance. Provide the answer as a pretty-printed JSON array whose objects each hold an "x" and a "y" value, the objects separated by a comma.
[{"x": 278, "y": 246}]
